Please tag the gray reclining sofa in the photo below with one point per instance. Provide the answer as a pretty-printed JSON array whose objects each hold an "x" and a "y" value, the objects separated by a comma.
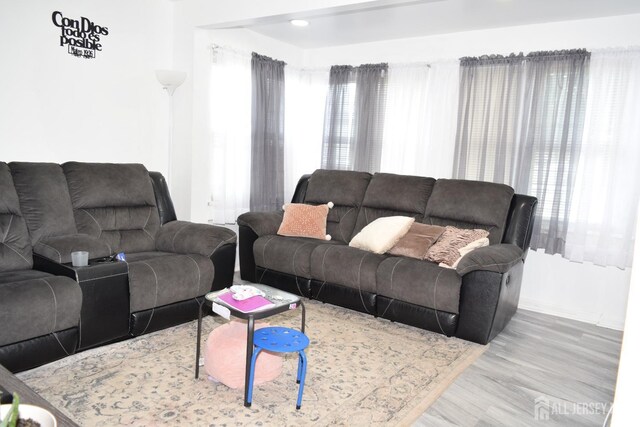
[
  {"x": 474, "y": 301},
  {"x": 49, "y": 309}
]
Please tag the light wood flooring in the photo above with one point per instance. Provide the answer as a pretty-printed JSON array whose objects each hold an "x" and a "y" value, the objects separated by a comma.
[{"x": 569, "y": 366}]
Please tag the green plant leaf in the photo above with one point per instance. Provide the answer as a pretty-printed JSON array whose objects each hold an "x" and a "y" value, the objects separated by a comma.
[{"x": 13, "y": 420}]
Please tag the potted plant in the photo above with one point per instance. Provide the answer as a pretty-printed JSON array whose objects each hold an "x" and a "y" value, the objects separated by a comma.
[{"x": 11, "y": 419}]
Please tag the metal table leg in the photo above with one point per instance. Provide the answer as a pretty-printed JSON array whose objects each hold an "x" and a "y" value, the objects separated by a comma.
[
  {"x": 198, "y": 339},
  {"x": 248, "y": 361},
  {"x": 303, "y": 315}
]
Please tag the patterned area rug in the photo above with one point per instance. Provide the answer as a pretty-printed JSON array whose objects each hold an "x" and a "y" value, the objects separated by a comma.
[{"x": 361, "y": 371}]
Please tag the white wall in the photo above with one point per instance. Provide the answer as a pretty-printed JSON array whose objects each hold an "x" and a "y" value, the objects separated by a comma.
[
  {"x": 626, "y": 398},
  {"x": 551, "y": 284},
  {"x": 55, "y": 107},
  {"x": 580, "y": 291},
  {"x": 617, "y": 31}
]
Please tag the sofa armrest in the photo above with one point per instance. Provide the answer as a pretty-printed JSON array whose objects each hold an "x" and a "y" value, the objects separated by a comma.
[
  {"x": 59, "y": 248},
  {"x": 262, "y": 223},
  {"x": 497, "y": 258},
  {"x": 184, "y": 237}
]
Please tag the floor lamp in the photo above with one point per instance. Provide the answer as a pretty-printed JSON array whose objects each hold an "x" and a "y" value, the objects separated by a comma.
[{"x": 170, "y": 81}]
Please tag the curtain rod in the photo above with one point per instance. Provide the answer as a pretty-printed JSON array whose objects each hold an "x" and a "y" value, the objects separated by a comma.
[
  {"x": 410, "y": 64},
  {"x": 247, "y": 53},
  {"x": 616, "y": 49},
  {"x": 313, "y": 69},
  {"x": 230, "y": 49},
  {"x": 215, "y": 46}
]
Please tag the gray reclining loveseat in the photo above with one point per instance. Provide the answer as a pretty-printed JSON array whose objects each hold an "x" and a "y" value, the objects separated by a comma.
[
  {"x": 474, "y": 301},
  {"x": 49, "y": 210},
  {"x": 39, "y": 312}
]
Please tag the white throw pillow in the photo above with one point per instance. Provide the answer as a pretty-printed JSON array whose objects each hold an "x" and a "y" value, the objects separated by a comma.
[{"x": 382, "y": 234}]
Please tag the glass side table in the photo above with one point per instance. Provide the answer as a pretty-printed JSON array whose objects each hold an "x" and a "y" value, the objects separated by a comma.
[{"x": 282, "y": 301}]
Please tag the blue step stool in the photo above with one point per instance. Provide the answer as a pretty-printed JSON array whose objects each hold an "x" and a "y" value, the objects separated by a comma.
[{"x": 280, "y": 340}]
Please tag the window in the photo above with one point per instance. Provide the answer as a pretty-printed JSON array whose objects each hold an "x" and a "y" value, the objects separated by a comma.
[
  {"x": 354, "y": 117},
  {"x": 520, "y": 123},
  {"x": 340, "y": 155}
]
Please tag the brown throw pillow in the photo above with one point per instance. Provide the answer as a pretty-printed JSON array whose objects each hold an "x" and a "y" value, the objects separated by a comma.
[
  {"x": 302, "y": 220},
  {"x": 446, "y": 249},
  {"x": 417, "y": 241}
]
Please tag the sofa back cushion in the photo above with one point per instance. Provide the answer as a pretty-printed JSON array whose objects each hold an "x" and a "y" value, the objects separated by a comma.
[
  {"x": 114, "y": 203},
  {"x": 15, "y": 245},
  {"x": 470, "y": 204},
  {"x": 346, "y": 190},
  {"x": 44, "y": 199},
  {"x": 394, "y": 195}
]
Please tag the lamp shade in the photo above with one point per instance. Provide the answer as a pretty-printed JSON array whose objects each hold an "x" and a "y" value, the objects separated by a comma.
[{"x": 170, "y": 79}]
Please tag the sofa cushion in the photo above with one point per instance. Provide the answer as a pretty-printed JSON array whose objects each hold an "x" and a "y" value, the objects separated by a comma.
[
  {"x": 38, "y": 306},
  {"x": 59, "y": 248},
  {"x": 287, "y": 254},
  {"x": 346, "y": 266},
  {"x": 141, "y": 256},
  {"x": 183, "y": 237},
  {"x": 15, "y": 244},
  {"x": 44, "y": 199},
  {"x": 346, "y": 190},
  {"x": 115, "y": 203},
  {"x": 419, "y": 282},
  {"x": 21, "y": 275},
  {"x": 161, "y": 278},
  {"x": 261, "y": 223},
  {"x": 380, "y": 235},
  {"x": 470, "y": 204},
  {"x": 498, "y": 258},
  {"x": 392, "y": 195}
]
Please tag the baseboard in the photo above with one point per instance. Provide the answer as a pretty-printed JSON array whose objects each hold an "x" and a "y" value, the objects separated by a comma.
[{"x": 579, "y": 315}]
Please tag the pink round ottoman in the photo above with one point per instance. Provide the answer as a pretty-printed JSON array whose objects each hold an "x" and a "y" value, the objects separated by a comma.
[{"x": 225, "y": 356}]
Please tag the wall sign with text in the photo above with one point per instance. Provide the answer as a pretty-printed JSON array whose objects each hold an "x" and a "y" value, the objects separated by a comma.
[{"x": 80, "y": 36}]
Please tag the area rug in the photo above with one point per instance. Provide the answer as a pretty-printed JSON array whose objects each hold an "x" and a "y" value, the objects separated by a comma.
[{"x": 361, "y": 371}]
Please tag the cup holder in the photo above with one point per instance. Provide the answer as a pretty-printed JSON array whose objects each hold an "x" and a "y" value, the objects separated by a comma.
[{"x": 105, "y": 260}]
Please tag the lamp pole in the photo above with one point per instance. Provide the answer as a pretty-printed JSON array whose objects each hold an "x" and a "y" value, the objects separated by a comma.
[{"x": 170, "y": 81}]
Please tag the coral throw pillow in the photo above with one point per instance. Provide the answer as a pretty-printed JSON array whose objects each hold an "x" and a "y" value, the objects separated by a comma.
[
  {"x": 417, "y": 241},
  {"x": 380, "y": 235},
  {"x": 225, "y": 352},
  {"x": 447, "y": 249},
  {"x": 302, "y": 220}
]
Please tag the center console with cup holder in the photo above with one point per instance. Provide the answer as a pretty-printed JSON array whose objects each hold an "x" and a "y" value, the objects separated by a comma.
[{"x": 104, "y": 317}]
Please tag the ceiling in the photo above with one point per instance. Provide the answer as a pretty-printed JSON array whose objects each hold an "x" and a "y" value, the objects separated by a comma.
[{"x": 389, "y": 19}]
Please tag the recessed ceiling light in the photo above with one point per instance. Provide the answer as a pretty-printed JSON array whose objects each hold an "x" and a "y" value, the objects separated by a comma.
[{"x": 299, "y": 22}]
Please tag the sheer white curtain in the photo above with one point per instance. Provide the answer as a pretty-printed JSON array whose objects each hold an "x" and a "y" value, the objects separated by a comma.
[
  {"x": 442, "y": 113},
  {"x": 420, "y": 119},
  {"x": 406, "y": 126},
  {"x": 305, "y": 94},
  {"x": 603, "y": 207},
  {"x": 230, "y": 118}
]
